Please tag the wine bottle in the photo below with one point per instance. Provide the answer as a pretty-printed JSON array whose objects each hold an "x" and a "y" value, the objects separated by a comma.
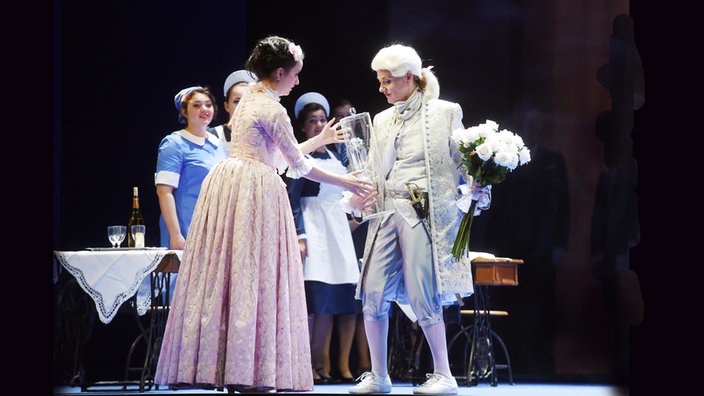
[{"x": 135, "y": 219}]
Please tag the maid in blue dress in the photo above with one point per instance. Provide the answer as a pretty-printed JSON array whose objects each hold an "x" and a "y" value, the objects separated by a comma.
[
  {"x": 330, "y": 265},
  {"x": 184, "y": 158}
]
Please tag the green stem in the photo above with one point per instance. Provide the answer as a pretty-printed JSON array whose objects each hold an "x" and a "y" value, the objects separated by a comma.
[{"x": 460, "y": 247}]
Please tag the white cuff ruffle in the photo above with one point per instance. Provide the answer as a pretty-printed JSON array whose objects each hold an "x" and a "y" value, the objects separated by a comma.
[{"x": 347, "y": 206}]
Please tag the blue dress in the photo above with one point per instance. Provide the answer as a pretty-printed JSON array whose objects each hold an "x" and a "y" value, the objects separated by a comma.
[{"x": 183, "y": 162}]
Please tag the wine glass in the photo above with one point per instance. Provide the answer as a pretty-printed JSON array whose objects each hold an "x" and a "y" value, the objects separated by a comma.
[
  {"x": 112, "y": 235},
  {"x": 121, "y": 234},
  {"x": 138, "y": 235},
  {"x": 116, "y": 234}
]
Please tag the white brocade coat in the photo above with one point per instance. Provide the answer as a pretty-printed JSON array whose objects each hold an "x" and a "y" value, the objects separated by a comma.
[{"x": 439, "y": 118}]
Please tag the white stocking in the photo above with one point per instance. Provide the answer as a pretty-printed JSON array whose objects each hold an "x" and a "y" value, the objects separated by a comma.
[
  {"x": 437, "y": 341},
  {"x": 377, "y": 337}
]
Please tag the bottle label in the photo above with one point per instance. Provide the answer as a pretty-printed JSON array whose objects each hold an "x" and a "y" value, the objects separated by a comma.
[
  {"x": 139, "y": 240},
  {"x": 137, "y": 232}
]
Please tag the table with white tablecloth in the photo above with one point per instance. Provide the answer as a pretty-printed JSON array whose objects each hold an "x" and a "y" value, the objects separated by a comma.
[
  {"x": 113, "y": 276},
  {"x": 118, "y": 280}
]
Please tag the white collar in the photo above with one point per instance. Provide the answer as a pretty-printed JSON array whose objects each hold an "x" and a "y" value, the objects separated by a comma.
[
  {"x": 261, "y": 87},
  {"x": 199, "y": 140}
]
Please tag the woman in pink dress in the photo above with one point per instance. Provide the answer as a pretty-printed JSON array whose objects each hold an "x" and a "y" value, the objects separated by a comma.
[{"x": 238, "y": 317}]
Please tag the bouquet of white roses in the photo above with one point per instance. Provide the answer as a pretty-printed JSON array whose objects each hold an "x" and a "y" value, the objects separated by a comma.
[{"x": 488, "y": 155}]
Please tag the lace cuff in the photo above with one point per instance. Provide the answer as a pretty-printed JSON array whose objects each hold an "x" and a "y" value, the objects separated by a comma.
[
  {"x": 300, "y": 171},
  {"x": 347, "y": 205}
]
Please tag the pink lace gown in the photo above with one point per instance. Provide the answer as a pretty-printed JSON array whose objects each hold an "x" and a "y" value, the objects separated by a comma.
[{"x": 238, "y": 315}]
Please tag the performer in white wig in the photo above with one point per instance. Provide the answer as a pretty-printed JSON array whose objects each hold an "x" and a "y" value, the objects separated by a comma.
[{"x": 407, "y": 255}]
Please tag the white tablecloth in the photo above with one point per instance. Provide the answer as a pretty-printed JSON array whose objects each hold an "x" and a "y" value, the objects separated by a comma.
[{"x": 113, "y": 277}]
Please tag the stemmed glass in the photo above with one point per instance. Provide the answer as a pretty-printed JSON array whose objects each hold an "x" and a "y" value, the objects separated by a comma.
[
  {"x": 138, "y": 235},
  {"x": 116, "y": 234}
]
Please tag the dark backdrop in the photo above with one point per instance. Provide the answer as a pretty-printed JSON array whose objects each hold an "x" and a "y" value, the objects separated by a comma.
[
  {"x": 117, "y": 66},
  {"x": 121, "y": 63}
]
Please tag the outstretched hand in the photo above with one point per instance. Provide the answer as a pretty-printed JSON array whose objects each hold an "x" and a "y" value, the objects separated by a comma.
[
  {"x": 355, "y": 185},
  {"x": 333, "y": 133},
  {"x": 363, "y": 203}
]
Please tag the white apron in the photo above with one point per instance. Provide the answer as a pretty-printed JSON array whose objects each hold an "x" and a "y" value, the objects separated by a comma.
[{"x": 331, "y": 255}]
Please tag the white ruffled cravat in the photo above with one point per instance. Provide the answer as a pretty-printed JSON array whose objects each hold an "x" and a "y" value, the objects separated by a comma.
[{"x": 403, "y": 110}]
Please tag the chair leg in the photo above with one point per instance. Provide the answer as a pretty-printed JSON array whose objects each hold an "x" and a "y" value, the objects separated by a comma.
[{"x": 508, "y": 361}]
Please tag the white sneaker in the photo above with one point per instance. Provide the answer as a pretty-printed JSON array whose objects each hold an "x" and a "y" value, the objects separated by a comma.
[
  {"x": 372, "y": 383},
  {"x": 437, "y": 384}
]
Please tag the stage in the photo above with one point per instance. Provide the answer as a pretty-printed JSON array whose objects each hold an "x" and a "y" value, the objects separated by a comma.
[{"x": 399, "y": 388}]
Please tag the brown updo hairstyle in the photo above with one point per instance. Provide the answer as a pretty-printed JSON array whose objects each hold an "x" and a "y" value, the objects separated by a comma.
[{"x": 269, "y": 54}]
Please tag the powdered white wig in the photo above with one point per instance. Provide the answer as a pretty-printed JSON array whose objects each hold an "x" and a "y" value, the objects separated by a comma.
[
  {"x": 398, "y": 59},
  {"x": 432, "y": 86}
]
